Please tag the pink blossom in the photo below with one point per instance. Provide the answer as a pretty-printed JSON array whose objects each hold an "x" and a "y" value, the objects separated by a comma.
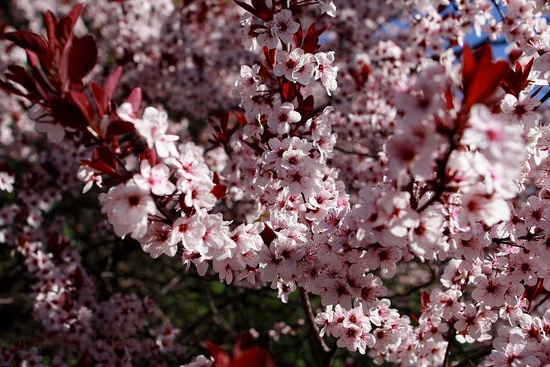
[
  {"x": 6, "y": 181},
  {"x": 283, "y": 26},
  {"x": 490, "y": 290},
  {"x": 325, "y": 71},
  {"x": 521, "y": 109},
  {"x": 152, "y": 126},
  {"x": 384, "y": 258},
  {"x": 497, "y": 140},
  {"x": 128, "y": 206},
  {"x": 189, "y": 231},
  {"x": 158, "y": 240},
  {"x": 282, "y": 117},
  {"x": 479, "y": 205},
  {"x": 154, "y": 178},
  {"x": 327, "y": 6},
  {"x": 281, "y": 259}
]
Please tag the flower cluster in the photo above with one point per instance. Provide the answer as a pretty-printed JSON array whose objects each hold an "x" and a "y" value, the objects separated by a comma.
[{"x": 381, "y": 166}]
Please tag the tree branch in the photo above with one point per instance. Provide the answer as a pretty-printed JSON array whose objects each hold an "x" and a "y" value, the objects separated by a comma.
[
  {"x": 328, "y": 353},
  {"x": 452, "y": 332},
  {"x": 477, "y": 355}
]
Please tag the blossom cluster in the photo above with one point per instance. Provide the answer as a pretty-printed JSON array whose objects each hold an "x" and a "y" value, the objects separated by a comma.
[
  {"x": 75, "y": 322},
  {"x": 337, "y": 161}
]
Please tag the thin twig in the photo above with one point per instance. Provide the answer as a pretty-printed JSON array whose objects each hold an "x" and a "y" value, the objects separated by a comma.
[
  {"x": 498, "y": 9},
  {"x": 542, "y": 100},
  {"x": 452, "y": 332},
  {"x": 328, "y": 353},
  {"x": 540, "y": 303},
  {"x": 367, "y": 155},
  {"x": 477, "y": 355}
]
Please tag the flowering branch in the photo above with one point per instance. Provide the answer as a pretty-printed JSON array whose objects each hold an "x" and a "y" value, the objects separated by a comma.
[{"x": 327, "y": 352}]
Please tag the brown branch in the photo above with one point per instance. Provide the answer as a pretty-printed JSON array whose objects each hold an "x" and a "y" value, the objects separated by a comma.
[
  {"x": 328, "y": 353},
  {"x": 477, "y": 355},
  {"x": 452, "y": 333}
]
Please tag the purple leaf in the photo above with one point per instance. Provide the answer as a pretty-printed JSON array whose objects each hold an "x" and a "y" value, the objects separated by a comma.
[
  {"x": 31, "y": 42},
  {"x": 66, "y": 25},
  {"x": 82, "y": 58}
]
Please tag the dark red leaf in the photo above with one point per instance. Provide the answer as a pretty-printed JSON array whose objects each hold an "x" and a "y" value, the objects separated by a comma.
[
  {"x": 83, "y": 103},
  {"x": 150, "y": 155},
  {"x": 99, "y": 166},
  {"x": 248, "y": 8},
  {"x": 56, "y": 245},
  {"x": 241, "y": 119},
  {"x": 299, "y": 36},
  {"x": 244, "y": 342},
  {"x": 20, "y": 76},
  {"x": 30, "y": 41},
  {"x": 288, "y": 91},
  {"x": 265, "y": 13},
  {"x": 219, "y": 190},
  {"x": 305, "y": 107},
  {"x": 514, "y": 55},
  {"x": 268, "y": 235},
  {"x": 188, "y": 211},
  {"x": 480, "y": 75},
  {"x": 40, "y": 78},
  {"x": 258, "y": 8},
  {"x": 32, "y": 59},
  {"x": 77, "y": 278},
  {"x": 135, "y": 99},
  {"x": 360, "y": 76},
  {"x": 449, "y": 102},
  {"x": 485, "y": 82},
  {"x": 263, "y": 71},
  {"x": 51, "y": 23},
  {"x": 524, "y": 80},
  {"x": 119, "y": 127},
  {"x": 8, "y": 88},
  {"x": 468, "y": 66},
  {"x": 510, "y": 83},
  {"x": 221, "y": 357},
  {"x": 103, "y": 154},
  {"x": 270, "y": 56},
  {"x": 310, "y": 43},
  {"x": 110, "y": 87},
  {"x": 253, "y": 357},
  {"x": 84, "y": 361},
  {"x": 66, "y": 25},
  {"x": 425, "y": 300},
  {"x": 517, "y": 80},
  {"x": 98, "y": 93},
  {"x": 82, "y": 57},
  {"x": 69, "y": 115},
  {"x": 222, "y": 135},
  {"x": 63, "y": 63}
]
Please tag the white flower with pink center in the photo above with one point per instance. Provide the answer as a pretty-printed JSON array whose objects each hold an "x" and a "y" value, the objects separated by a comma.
[
  {"x": 282, "y": 116},
  {"x": 155, "y": 179},
  {"x": 283, "y": 26},
  {"x": 152, "y": 126},
  {"x": 328, "y": 7},
  {"x": 6, "y": 182},
  {"x": 325, "y": 71},
  {"x": 158, "y": 240},
  {"x": 127, "y": 207},
  {"x": 497, "y": 140}
]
